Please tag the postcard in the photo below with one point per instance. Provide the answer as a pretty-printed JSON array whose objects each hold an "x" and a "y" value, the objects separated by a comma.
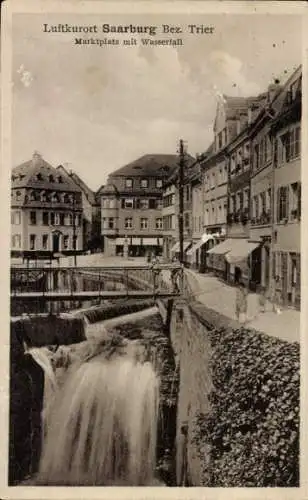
[{"x": 154, "y": 338}]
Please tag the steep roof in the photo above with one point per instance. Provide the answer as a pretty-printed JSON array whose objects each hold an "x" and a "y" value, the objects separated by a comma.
[
  {"x": 90, "y": 195},
  {"x": 158, "y": 165},
  {"x": 281, "y": 98},
  {"x": 37, "y": 173}
]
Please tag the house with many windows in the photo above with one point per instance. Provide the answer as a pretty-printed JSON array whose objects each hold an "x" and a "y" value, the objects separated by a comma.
[
  {"x": 131, "y": 206},
  {"x": 46, "y": 211},
  {"x": 286, "y": 242},
  {"x": 91, "y": 216}
]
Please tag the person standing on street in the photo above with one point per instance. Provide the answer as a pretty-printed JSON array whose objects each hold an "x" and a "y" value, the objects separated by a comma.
[{"x": 241, "y": 302}]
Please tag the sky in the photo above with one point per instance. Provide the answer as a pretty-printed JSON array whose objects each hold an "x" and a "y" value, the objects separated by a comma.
[{"x": 97, "y": 109}]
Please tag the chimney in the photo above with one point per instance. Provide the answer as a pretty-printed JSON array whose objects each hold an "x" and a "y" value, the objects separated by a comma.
[
  {"x": 36, "y": 157},
  {"x": 272, "y": 89}
]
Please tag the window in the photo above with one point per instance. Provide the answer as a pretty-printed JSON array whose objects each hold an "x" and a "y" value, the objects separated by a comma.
[
  {"x": 52, "y": 218},
  {"x": 256, "y": 158},
  {"x": 268, "y": 200},
  {"x": 143, "y": 203},
  {"x": 262, "y": 203},
  {"x": 39, "y": 177},
  {"x": 295, "y": 142},
  {"x": 159, "y": 183},
  {"x": 69, "y": 219},
  {"x": 256, "y": 206},
  {"x": 45, "y": 241},
  {"x": 61, "y": 219},
  {"x": 57, "y": 219},
  {"x": 51, "y": 178},
  {"x": 33, "y": 218},
  {"x": 143, "y": 223},
  {"x": 66, "y": 198},
  {"x": 111, "y": 223},
  {"x": 32, "y": 241},
  {"x": 16, "y": 218},
  {"x": 282, "y": 203},
  {"x": 60, "y": 179},
  {"x": 65, "y": 242},
  {"x": 294, "y": 200},
  {"x": 186, "y": 220},
  {"x": 159, "y": 203},
  {"x": 159, "y": 223},
  {"x": 144, "y": 183},
  {"x": 128, "y": 223},
  {"x": 16, "y": 241},
  {"x": 18, "y": 195},
  {"x": 128, "y": 203},
  {"x": 129, "y": 183},
  {"x": 240, "y": 200},
  {"x": 220, "y": 140}
]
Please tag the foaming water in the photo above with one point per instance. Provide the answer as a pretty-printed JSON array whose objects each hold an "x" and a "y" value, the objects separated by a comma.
[{"x": 103, "y": 426}]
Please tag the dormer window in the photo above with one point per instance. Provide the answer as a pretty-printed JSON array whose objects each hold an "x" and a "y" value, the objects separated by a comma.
[
  {"x": 33, "y": 196},
  {"x": 18, "y": 195},
  {"x": 39, "y": 177},
  {"x": 51, "y": 178},
  {"x": 60, "y": 179},
  {"x": 55, "y": 198},
  {"x": 129, "y": 183},
  {"x": 66, "y": 198}
]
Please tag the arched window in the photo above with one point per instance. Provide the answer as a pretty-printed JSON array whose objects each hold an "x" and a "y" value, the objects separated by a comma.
[
  {"x": 18, "y": 195},
  {"x": 43, "y": 196}
]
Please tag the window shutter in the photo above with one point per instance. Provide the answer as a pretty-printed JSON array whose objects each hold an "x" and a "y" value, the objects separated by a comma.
[
  {"x": 278, "y": 205},
  {"x": 287, "y": 191},
  {"x": 274, "y": 265}
]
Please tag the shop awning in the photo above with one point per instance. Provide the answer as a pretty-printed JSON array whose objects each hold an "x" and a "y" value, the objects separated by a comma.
[
  {"x": 150, "y": 242},
  {"x": 176, "y": 247},
  {"x": 135, "y": 241},
  {"x": 222, "y": 248},
  {"x": 240, "y": 250},
  {"x": 196, "y": 246}
]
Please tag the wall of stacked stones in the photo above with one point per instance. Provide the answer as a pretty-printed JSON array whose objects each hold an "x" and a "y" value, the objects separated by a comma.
[{"x": 239, "y": 394}]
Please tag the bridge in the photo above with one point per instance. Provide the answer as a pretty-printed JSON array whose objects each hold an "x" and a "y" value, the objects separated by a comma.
[{"x": 104, "y": 282}]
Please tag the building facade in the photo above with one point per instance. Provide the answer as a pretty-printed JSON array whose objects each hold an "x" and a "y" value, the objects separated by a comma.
[
  {"x": 170, "y": 216},
  {"x": 286, "y": 244},
  {"x": 91, "y": 216},
  {"x": 46, "y": 211},
  {"x": 132, "y": 204}
]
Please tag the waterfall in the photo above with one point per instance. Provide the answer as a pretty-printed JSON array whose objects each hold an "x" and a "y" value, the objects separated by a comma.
[{"x": 103, "y": 425}]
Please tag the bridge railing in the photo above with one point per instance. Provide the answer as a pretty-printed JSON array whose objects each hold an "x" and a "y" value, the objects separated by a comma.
[{"x": 154, "y": 278}]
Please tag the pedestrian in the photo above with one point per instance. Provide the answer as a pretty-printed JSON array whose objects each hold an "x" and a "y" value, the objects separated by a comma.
[
  {"x": 276, "y": 297},
  {"x": 262, "y": 299},
  {"x": 241, "y": 303}
]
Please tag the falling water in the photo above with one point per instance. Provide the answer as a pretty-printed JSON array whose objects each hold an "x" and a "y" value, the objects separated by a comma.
[{"x": 103, "y": 425}]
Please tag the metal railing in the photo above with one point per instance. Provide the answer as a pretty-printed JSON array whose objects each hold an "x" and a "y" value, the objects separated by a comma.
[{"x": 48, "y": 281}]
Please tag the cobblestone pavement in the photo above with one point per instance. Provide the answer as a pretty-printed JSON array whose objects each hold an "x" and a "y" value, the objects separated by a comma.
[{"x": 219, "y": 296}]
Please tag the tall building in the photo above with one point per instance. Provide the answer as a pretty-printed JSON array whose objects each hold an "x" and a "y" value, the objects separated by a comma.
[
  {"x": 46, "y": 211},
  {"x": 170, "y": 216},
  {"x": 91, "y": 211},
  {"x": 131, "y": 206},
  {"x": 276, "y": 191}
]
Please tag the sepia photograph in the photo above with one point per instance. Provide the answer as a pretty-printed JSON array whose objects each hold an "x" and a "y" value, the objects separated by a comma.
[{"x": 155, "y": 248}]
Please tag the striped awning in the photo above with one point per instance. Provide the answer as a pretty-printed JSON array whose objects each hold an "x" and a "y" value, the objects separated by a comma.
[
  {"x": 176, "y": 247},
  {"x": 221, "y": 248},
  {"x": 241, "y": 249},
  {"x": 199, "y": 244}
]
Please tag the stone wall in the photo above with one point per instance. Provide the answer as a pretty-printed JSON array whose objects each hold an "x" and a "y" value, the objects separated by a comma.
[{"x": 239, "y": 401}]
